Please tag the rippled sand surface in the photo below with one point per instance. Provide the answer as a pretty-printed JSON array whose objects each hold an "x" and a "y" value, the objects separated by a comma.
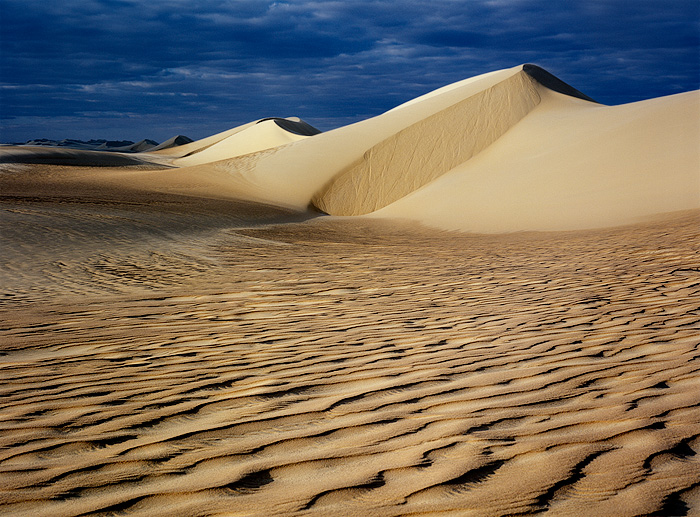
[{"x": 164, "y": 355}]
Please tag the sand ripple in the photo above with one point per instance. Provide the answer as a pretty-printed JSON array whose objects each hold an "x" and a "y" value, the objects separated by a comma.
[{"x": 338, "y": 368}]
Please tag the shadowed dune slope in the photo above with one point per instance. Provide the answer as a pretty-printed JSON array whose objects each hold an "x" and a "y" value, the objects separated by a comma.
[
  {"x": 553, "y": 82},
  {"x": 63, "y": 156},
  {"x": 427, "y": 149},
  {"x": 529, "y": 153},
  {"x": 294, "y": 125}
]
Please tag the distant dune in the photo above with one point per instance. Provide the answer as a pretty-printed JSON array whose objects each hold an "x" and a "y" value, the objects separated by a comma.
[
  {"x": 171, "y": 142},
  {"x": 259, "y": 136},
  {"x": 140, "y": 146},
  {"x": 124, "y": 146},
  {"x": 63, "y": 156}
]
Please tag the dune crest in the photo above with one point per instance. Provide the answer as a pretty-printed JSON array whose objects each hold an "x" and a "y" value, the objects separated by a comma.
[
  {"x": 264, "y": 134},
  {"x": 427, "y": 149}
]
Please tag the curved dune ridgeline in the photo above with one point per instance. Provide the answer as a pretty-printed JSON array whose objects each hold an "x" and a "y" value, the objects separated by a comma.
[
  {"x": 427, "y": 149},
  {"x": 298, "y": 127},
  {"x": 553, "y": 82}
]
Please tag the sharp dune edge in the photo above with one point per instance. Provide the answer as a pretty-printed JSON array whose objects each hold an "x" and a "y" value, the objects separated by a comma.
[
  {"x": 427, "y": 149},
  {"x": 182, "y": 336}
]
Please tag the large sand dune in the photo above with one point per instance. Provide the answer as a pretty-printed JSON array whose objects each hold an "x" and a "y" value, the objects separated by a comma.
[
  {"x": 180, "y": 336},
  {"x": 427, "y": 149},
  {"x": 513, "y": 150},
  {"x": 563, "y": 168}
]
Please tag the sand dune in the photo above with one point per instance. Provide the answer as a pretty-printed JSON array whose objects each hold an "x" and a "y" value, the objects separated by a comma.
[
  {"x": 521, "y": 156},
  {"x": 137, "y": 147},
  {"x": 508, "y": 151},
  {"x": 561, "y": 169},
  {"x": 198, "y": 145},
  {"x": 180, "y": 336},
  {"x": 255, "y": 136},
  {"x": 512, "y": 150},
  {"x": 427, "y": 149},
  {"x": 264, "y": 134},
  {"x": 171, "y": 142}
]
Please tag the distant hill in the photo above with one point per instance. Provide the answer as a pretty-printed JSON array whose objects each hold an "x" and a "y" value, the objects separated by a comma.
[{"x": 122, "y": 146}]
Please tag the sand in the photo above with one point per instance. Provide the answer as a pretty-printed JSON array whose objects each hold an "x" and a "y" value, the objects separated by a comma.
[
  {"x": 427, "y": 149},
  {"x": 501, "y": 152},
  {"x": 187, "y": 340}
]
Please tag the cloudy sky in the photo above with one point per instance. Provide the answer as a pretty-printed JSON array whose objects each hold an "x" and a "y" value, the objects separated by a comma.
[{"x": 133, "y": 69}]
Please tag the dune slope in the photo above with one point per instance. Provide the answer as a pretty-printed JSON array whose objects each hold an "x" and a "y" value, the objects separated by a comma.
[
  {"x": 513, "y": 150},
  {"x": 522, "y": 155},
  {"x": 425, "y": 150},
  {"x": 570, "y": 165}
]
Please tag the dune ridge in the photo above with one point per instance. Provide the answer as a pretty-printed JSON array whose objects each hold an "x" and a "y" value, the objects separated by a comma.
[{"x": 427, "y": 149}]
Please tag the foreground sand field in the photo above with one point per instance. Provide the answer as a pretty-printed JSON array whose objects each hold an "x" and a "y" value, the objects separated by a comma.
[{"x": 172, "y": 355}]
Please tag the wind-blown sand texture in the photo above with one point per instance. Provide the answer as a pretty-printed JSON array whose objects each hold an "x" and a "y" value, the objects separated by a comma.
[{"x": 171, "y": 346}]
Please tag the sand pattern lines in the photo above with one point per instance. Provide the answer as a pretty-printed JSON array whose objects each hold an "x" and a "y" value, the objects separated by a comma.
[{"x": 337, "y": 368}]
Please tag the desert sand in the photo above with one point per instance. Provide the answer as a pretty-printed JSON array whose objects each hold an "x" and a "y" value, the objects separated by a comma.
[{"x": 501, "y": 315}]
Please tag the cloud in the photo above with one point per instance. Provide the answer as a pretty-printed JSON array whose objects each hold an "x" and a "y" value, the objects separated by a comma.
[{"x": 331, "y": 62}]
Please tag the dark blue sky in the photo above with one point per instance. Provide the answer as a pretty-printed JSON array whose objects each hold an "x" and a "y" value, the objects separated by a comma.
[{"x": 132, "y": 69}]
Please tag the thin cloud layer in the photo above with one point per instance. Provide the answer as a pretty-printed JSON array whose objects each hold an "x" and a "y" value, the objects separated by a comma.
[{"x": 131, "y": 69}]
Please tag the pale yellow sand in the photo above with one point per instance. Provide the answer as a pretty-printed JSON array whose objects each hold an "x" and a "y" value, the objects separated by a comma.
[
  {"x": 175, "y": 355},
  {"x": 495, "y": 153},
  {"x": 253, "y": 138},
  {"x": 572, "y": 165}
]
